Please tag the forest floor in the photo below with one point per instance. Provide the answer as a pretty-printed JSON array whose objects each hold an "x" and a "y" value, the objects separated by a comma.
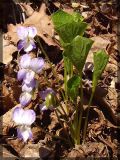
[{"x": 102, "y": 133}]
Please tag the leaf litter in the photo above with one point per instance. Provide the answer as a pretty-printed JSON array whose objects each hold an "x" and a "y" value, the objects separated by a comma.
[{"x": 102, "y": 139}]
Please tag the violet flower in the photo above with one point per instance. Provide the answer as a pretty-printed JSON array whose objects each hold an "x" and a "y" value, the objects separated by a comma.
[
  {"x": 25, "y": 98},
  {"x": 23, "y": 118},
  {"x": 25, "y": 61},
  {"x": 37, "y": 64},
  {"x": 29, "y": 77},
  {"x": 26, "y": 35},
  {"x": 21, "y": 74},
  {"x": 28, "y": 87}
]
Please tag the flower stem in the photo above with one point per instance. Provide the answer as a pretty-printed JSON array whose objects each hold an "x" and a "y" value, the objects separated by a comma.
[{"x": 53, "y": 70}]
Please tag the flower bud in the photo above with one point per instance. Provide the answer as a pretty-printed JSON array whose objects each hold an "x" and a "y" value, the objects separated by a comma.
[{"x": 50, "y": 100}]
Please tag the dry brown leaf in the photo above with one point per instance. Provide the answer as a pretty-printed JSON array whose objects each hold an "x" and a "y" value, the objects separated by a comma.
[
  {"x": 27, "y": 9},
  {"x": 43, "y": 24},
  {"x": 7, "y": 154},
  {"x": 44, "y": 27},
  {"x": 30, "y": 150}
]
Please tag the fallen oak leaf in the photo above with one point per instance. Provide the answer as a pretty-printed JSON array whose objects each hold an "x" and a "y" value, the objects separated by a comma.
[
  {"x": 100, "y": 98},
  {"x": 43, "y": 23},
  {"x": 44, "y": 27},
  {"x": 27, "y": 9}
]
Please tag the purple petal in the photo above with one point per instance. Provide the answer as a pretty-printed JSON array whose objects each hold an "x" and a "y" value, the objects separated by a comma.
[
  {"x": 44, "y": 93},
  {"x": 28, "y": 87},
  {"x": 29, "y": 77},
  {"x": 21, "y": 74},
  {"x": 21, "y": 44},
  {"x": 25, "y": 61},
  {"x": 19, "y": 133},
  {"x": 29, "y": 117},
  {"x": 37, "y": 64},
  {"x": 25, "y": 98},
  {"x": 22, "y": 32},
  {"x": 23, "y": 117},
  {"x": 32, "y": 31},
  {"x": 29, "y": 46},
  {"x": 24, "y": 133},
  {"x": 17, "y": 115}
]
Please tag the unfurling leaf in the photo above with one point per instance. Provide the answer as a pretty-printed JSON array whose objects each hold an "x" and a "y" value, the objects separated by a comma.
[
  {"x": 78, "y": 50},
  {"x": 73, "y": 85},
  {"x": 68, "y": 26},
  {"x": 100, "y": 62}
]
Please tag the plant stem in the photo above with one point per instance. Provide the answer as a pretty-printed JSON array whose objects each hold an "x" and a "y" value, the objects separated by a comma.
[
  {"x": 71, "y": 70},
  {"x": 55, "y": 74},
  {"x": 80, "y": 111},
  {"x": 65, "y": 79},
  {"x": 78, "y": 118},
  {"x": 65, "y": 83},
  {"x": 87, "y": 115},
  {"x": 53, "y": 70}
]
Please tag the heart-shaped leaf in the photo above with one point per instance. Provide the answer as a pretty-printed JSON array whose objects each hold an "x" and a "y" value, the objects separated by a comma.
[
  {"x": 78, "y": 50},
  {"x": 73, "y": 85},
  {"x": 100, "y": 62},
  {"x": 68, "y": 26},
  {"x": 61, "y": 18}
]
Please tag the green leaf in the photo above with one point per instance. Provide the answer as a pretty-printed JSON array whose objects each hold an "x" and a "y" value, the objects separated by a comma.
[
  {"x": 68, "y": 26},
  {"x": 73, "y": 85},
  {"x": 78, "y": 50},
  {"x": 61, "y": 18},
  {"x": 100, "y": 62},
  {"x": 69, "y": 31}
]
